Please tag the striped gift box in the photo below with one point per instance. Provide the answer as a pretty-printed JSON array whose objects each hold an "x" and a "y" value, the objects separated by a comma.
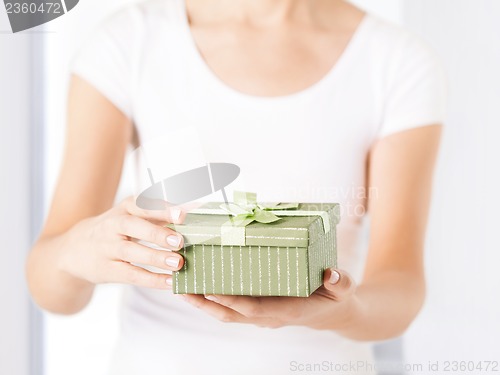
[{"x": 284, "y": 258}]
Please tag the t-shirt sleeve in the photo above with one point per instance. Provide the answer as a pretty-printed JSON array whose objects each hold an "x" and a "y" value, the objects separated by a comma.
[
  {"x": 106, "y": 59},
  {"x": 416, "y": 88}
]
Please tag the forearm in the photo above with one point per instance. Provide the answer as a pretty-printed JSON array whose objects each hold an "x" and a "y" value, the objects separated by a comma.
[
  {"x": 52, "y": 288},
  {"x": 383, "y": 307}
]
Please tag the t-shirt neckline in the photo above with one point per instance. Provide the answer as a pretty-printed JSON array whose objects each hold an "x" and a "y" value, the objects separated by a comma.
[{"x": 231, "y": 92}]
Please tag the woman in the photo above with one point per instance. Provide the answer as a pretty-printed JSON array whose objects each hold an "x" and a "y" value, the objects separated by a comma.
[{"x": 315, "y": 101}]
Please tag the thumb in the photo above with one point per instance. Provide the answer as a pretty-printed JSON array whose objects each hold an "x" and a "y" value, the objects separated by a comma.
[{"x": 339, "y": 284}]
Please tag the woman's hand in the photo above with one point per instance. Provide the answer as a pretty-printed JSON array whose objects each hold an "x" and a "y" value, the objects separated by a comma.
[
  {"x": 330, "y": 307},
  {"x": 101, "y": 249}
]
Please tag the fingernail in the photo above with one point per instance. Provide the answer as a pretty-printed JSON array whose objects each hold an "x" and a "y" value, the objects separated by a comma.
[
  {"x": 211, "y": 298},
  {"x": 174, "y": 240},
  {"x": 175, "y": 214},
  {"x": 172, "y": 262},
  {"x": 169, "y": 281},
  {"x": 334, "y": 277}
]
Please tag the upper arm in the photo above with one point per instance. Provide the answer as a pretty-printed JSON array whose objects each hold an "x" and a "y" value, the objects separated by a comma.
[
  {"x": 400, "y": 182},
  {"x": 96, "y": 141},
  {"x": 99, "y": 125},
  {"x": 401, "y": 161}
]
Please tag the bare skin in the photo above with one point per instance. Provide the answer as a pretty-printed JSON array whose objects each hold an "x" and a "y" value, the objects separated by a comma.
[{"x": 85, "y": 240}]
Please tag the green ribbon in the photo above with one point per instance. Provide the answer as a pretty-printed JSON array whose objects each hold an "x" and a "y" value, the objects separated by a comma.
[{"x": 245, "y": 210}]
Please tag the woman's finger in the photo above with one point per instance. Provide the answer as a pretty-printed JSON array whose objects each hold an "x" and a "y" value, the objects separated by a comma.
[
  {"x": 125, "y": 273},
  {"x": 226, "y": 314},
  {"x": 251, "y": 307},
  {"x": 339, "y": 284},
  {"x": 132, "y": 252},
  {"x": 170, "y": 213},
  {"x": 141, "y": 229},
  {"x": 262, "y": 307},
  {"x": 219, "y": 312}
]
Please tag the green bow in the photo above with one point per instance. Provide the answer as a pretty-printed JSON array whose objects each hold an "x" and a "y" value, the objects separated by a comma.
[{"x": 246, "y": 210}]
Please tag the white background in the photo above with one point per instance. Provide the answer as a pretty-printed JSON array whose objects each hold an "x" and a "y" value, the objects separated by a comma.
[{"x": 461, "y": 318}]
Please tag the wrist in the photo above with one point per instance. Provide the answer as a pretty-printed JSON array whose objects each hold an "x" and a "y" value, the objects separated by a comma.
[
  {"x": 350, "y": 316},
  {"x": 53, "y": 288},
  {"x": 67, "y": 247},
  {"x": 338, "y": 316}
]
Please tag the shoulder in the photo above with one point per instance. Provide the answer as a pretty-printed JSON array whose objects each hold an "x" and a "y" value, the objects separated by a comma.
[
  {"x": 409, "y": 75},
  {"x": 400, "y": 59},
  {"x": 398, "y": 46},
  {"x": 129, "y": 27},
  {"x": 145, "y": 12},
  {"x": 110, "y": 55}
]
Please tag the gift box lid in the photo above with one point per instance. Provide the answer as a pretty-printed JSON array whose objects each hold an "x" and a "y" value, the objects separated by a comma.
[{"x": 299, "y": 230}]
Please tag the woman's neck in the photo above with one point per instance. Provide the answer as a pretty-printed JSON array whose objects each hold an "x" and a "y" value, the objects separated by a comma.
[{"x": 259, "y": 13}]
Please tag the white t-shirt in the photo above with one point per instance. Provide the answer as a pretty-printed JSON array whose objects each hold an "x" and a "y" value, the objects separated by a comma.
[{"x": 308, "y": 146}]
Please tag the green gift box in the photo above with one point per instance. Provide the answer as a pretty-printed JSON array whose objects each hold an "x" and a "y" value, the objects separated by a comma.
[{"x": 285, "y": 257}]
